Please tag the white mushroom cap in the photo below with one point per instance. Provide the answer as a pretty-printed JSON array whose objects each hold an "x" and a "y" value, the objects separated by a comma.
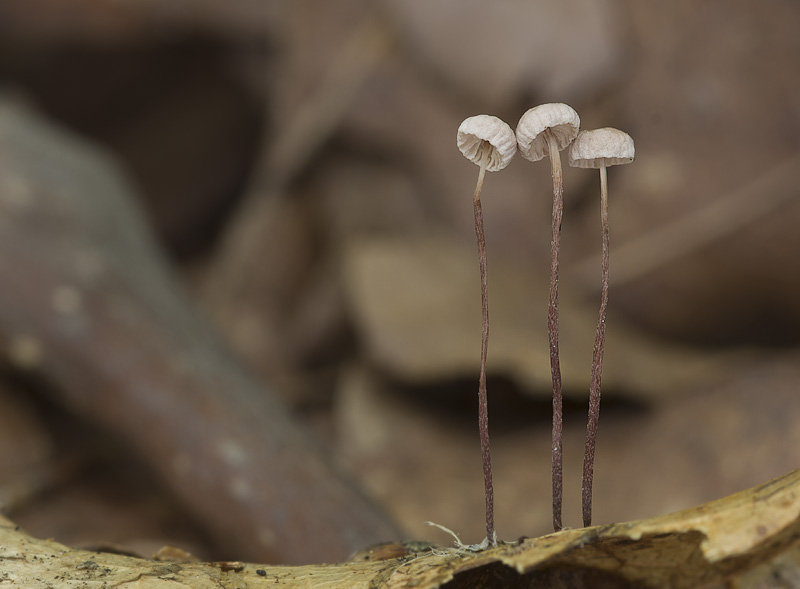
[
  {"x": 607, "y": 146},
  {"x": 561, "y": 119},
  {"x": 482, "y": 132}
]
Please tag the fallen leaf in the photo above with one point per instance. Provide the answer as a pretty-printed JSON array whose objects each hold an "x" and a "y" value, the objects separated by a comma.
[
  {"x": 452, "y": 38},
  {"x": 416, "y": 304}
]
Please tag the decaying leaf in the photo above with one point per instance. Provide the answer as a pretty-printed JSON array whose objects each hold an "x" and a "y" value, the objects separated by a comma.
[
  {"x": 415, "y": 451},
  {"x": 751, "y": 533},
  {"x": 522, "y": 34},
  {"x": 416, "y": 304}
]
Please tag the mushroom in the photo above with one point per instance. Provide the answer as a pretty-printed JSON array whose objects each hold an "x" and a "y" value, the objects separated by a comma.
[
  {"x": 599, "y": 148},
  {"x": 546, "y": 130},
  {"x": 490, "y": 143}
]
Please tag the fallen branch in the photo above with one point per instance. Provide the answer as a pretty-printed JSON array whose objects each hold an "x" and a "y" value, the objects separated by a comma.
[
  {"x": 90, "y": 306},
  {"x": 750, "y": 536}
]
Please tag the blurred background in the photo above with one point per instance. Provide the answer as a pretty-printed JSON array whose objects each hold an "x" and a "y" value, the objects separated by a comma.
[{"x": 255, "y": 212}]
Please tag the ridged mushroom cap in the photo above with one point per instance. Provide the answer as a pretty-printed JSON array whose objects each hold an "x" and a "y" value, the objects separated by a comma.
[
  {"x": 482, "y": 132},
  {"x": 561, "y": 119},
  {"x": 607, "y": 145}
]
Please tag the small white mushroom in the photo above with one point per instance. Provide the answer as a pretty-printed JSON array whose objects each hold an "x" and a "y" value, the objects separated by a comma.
[
  {"x": 599, "y": 149},
  {"x": 485, "y": 135},
  {"x": 541, "y": 123},
  {"x": 490, "y": 143},
  {"x": 545, "y": 130}
]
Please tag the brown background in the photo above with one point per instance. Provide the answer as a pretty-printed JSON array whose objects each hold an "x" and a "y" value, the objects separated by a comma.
[{"x": 296, "y": 163}]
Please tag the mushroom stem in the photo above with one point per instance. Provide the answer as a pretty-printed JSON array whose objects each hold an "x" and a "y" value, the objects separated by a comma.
[
  {"x": 483, "y": 410},
  {"x": 552, "y": 327},
  {"x": 597, "y": 361}
]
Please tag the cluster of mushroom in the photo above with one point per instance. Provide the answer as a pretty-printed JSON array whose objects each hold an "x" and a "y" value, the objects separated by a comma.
[{"x": 542, "y": 131}]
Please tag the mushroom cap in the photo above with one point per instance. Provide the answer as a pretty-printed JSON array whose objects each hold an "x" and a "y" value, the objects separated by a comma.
[
  {"x": 487, "y": 132},
  {"x": 607, "y": 146},
  {"x": 561, "y": 119}
]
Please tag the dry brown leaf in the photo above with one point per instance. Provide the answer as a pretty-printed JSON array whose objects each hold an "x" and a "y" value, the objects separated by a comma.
[
  {"x": 699, "y": 546},
  {"x": 416, "y": 304},
  {"x": 415, "y": 450},
  {"x": 556, "y": 48},
  {"x": 698, "y": 84}
]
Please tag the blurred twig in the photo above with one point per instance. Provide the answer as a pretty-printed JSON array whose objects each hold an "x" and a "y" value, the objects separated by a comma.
[
  {"x": 295, "y": 144},
  {"x": 315, "y": 120}
]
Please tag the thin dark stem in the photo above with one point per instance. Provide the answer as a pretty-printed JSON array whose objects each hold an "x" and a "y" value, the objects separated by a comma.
[
  {"x": 597, "y": 362},
  {"x": 483, "y": 409},
  {"x": 552, "y": 329}
]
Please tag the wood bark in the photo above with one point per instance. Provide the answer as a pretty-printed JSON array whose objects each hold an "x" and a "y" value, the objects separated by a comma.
[{"x": 749, "y": 539}]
